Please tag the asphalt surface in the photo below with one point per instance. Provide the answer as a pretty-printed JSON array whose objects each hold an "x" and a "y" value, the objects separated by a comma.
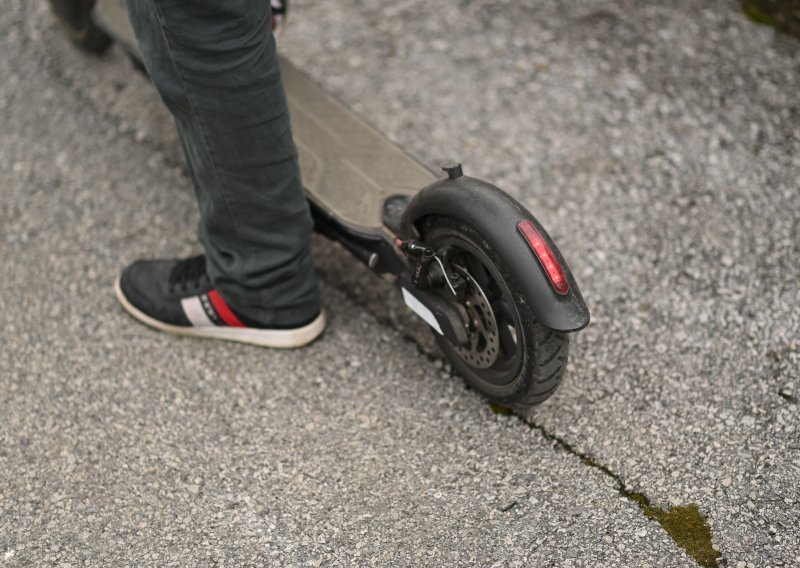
[{"x": 659, "y": 145}]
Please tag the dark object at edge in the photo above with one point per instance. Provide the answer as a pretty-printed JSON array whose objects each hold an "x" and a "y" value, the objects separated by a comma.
[{"x": 783, "y": 15}]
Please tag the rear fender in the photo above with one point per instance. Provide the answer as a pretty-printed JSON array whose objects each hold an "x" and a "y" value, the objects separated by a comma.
[{"x": 495, "y": 215}]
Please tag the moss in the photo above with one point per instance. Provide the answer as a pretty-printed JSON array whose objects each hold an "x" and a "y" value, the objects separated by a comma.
[
  {"x": 640, "y": 500},
  {"x": 755, "y": 13},
  {"x": 499, "y": 409},
  {"x": 783, "y": 15},
  {"x": 688, "y": 528},
  {"x": 686, "y": 525}
]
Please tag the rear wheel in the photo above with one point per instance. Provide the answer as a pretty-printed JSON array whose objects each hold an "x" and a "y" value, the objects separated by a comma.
[
  {"x": 76, "y": 19},
  {"x": 511, "y": 359}
]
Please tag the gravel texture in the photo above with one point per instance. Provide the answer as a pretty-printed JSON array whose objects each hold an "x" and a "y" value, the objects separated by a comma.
[{"x": 659, "y": 145}]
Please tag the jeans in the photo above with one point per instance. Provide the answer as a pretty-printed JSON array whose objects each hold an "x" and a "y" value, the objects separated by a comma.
[{"x": 215, "y": 65}]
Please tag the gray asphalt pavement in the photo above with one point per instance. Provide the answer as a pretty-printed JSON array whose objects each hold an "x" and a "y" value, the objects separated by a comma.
[{"x": 660, "y": 146}]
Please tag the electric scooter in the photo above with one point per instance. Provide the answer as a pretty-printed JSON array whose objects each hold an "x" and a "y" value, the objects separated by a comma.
[{"x": 468, "y": 259}]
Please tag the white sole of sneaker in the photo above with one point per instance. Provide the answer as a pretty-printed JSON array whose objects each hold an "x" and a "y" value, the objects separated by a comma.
[{"x": 278, "y": 338}]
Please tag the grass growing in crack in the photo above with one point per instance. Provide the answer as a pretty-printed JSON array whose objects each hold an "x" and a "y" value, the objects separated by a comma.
[{"x": 686, "y": 525}]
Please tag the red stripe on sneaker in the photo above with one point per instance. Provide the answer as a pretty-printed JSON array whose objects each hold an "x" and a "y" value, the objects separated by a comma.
[{"x": 223, "y": 310}]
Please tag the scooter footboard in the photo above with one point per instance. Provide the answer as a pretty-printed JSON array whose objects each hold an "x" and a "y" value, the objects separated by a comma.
[{"x": 538, "y": 267}]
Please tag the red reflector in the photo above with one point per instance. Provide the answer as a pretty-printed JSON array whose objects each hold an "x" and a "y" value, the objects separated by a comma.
[{"x": 545, "y": 255}]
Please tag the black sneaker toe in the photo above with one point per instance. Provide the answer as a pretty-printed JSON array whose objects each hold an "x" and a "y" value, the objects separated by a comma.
[{"x": 145, "y": 284}]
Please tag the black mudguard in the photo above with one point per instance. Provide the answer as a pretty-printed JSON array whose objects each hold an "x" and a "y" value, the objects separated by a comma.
[{"x": 495, "y": 215}]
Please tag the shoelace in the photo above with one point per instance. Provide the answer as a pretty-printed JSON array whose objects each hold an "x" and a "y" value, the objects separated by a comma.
[{"x": 188, "y": 271}]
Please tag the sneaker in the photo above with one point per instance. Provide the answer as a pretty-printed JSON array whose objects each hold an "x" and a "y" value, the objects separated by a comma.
[{"x": 177, "y": 296}]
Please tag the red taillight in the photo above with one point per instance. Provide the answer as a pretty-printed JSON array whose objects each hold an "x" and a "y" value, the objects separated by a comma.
[{"x": 545, "y": 255}]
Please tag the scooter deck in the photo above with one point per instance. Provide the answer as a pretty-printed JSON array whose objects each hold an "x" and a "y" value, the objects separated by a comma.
[{"x": 348, "y": 167}]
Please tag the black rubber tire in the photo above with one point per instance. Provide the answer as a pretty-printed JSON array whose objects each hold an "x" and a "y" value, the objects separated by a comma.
[
  {"x": 75, "y": 17},
  {"x": 533, "y": 372}
]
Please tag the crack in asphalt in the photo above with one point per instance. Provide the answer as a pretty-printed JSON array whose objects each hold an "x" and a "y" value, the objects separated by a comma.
[{"x": 685, "y": 525}]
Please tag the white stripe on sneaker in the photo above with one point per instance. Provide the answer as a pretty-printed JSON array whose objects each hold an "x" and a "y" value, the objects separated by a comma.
[{"x": 195, "y": 312}]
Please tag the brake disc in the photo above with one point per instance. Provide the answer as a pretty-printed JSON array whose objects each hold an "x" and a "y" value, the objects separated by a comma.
[{"x": 484, "y": 342}]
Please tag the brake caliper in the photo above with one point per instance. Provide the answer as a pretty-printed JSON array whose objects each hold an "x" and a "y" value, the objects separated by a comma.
[{"x": 433, "y": 272}]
